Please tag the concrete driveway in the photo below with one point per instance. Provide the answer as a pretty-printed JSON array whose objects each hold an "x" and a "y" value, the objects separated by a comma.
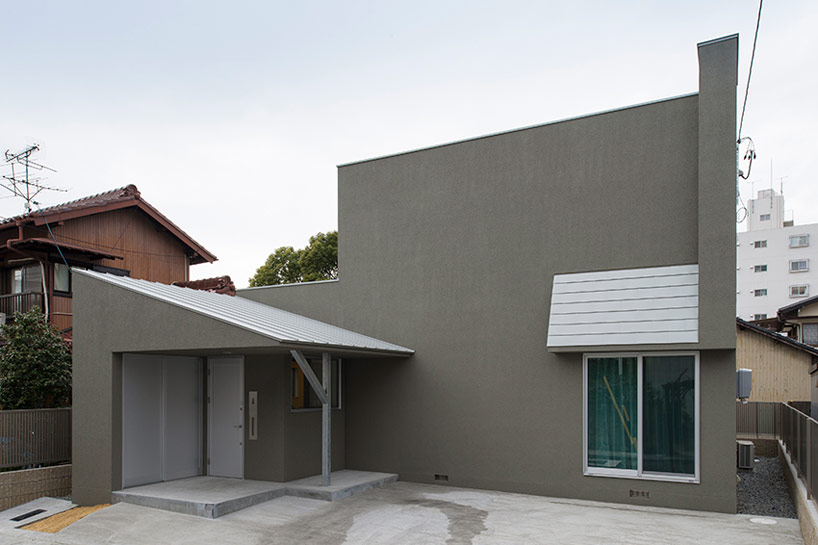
[{"x": 409, "y": 513}]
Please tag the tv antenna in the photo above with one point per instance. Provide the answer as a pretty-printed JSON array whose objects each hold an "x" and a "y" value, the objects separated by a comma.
[{"x": 23, "y": 185}]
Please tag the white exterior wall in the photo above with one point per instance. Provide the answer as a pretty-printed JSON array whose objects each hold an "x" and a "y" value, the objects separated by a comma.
[
  {"x": 777, "y": 279},
  {"x": 766, "y": 211}
]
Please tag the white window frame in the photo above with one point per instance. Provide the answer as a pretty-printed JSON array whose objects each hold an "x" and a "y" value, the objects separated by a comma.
[
  {"x": 795, "y": 286},
  {"x": 759, "y": 268},
  {"x": 759, "y": 244},
  {"x": 763, "y": 217},
  {"x": 638, "y": 473},
  {"x": 57, "y": 268},
  {"x": 799, "y": 261},
  {"x": 798, "y": 241},
  {"x": 759, "y": 317},
  {"x": 761, "y": 292}
]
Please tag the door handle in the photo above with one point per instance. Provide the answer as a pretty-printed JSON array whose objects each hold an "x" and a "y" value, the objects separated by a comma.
[{"x": 238, "y": 427}]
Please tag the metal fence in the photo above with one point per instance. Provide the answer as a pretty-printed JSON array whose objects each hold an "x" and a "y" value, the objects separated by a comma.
[
  {"x": 799, "y": 433},
  {"x": 803, "y": 406},
  {"x": 29, "y": 438},
  {"x": 758, "y": 420}
]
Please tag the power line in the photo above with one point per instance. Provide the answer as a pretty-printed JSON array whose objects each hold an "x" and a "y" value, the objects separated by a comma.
[
  {"x": 750, "y": 74},
  {"x": 57, "y": 244}
]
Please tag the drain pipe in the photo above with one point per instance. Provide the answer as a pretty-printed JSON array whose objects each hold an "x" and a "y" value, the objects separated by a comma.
[
  {"x": 11, "y": 241},
  {"x": 45, "y": 291}
]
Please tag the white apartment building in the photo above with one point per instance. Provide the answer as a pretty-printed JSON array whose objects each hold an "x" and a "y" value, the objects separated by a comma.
[{"x": 777, "y": 261}]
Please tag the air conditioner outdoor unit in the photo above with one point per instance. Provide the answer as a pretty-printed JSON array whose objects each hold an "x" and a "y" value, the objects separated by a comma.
[{"x": 746, "y": 454}]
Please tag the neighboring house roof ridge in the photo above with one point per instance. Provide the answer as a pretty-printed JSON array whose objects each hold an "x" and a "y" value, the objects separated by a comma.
[
  {"x": 279, "y": 325},
  {"x": 778, "y": 337},
  {"x": 99, "y": 199},
  {"x": 113, "y": 199},
  {"x": 797, "y": 305}
]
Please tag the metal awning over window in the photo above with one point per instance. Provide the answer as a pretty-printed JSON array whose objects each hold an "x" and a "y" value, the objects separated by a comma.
[{"x": 657, "y": 305}]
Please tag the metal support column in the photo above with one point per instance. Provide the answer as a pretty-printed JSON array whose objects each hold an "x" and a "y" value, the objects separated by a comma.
[
  {"x": 322, "y": 390},
  {"x": 326, "y": 435}
]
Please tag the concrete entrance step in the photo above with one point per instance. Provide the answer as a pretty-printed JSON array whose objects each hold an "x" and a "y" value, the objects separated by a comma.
[
  {"x": 208, "y": 497},
  {"x": 212, "y": 497},
  {"x": 344, "y": 483}
]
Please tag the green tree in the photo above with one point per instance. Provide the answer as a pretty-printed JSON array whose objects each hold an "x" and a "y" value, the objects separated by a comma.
[
  {"x": 35, "y": 364},
  {"x": 282, "y": 267},
  {"x": 318, "y": 261}
]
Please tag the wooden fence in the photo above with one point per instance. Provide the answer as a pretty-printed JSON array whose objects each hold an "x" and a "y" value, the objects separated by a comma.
[{"x": 29, "y": 438}]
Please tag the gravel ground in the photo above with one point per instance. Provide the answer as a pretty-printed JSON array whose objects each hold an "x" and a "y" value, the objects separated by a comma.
[{"x": 763, "y": 491}]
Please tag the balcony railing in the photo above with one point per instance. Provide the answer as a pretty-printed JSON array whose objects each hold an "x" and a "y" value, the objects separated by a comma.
[{"x": 20, "y": 302}]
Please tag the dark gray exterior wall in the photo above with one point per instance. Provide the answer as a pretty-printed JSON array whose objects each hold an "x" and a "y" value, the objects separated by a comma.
[
  {"x": 717, "y": 191},
  {"x": 289, "y": 442},
  {"x": 110, "y": 321},
  {"x": 452, "y": 251}
]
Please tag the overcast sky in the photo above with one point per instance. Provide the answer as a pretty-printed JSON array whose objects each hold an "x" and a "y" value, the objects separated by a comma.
[{"x": 231, "y": 117}]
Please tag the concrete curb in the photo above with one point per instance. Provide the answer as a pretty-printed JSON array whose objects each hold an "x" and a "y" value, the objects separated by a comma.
[{"x": 807, "y": 512}]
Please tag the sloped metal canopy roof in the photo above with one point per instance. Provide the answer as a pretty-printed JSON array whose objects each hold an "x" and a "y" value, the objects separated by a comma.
[{"x": 281, "y": 326}]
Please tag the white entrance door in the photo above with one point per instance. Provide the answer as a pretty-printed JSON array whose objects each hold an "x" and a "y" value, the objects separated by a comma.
[{"x": 226, "y": 417}]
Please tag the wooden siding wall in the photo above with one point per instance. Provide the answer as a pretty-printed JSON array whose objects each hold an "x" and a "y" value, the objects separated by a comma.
[
  {"x": 60, "y": 311},
  {"x": 149, "y": 251},
  {"x": 780, "y": 372}
]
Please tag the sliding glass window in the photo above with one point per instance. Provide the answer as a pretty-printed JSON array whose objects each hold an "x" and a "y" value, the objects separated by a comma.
[
  {"x": 641, "y": 416},
  {"x": 612, "y": 413}
]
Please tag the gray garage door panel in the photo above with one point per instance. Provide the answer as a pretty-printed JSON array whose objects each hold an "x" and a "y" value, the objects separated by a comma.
[
  {"x": 183, "y": 411},
  {"x": 162, "y": 424},
  {"x": 141, "y": 420}
]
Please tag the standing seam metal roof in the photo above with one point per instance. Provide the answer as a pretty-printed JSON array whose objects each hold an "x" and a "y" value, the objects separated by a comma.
[{"x": 280, "y": 325}]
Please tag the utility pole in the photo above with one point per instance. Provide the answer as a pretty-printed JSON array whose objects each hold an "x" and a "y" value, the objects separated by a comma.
[{"x": 22, "y": 185}]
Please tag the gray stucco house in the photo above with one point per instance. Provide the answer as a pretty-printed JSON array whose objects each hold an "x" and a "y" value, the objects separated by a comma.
[{"x": 557, "y": 304}]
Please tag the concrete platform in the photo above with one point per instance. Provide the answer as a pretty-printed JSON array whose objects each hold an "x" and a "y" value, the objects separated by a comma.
[
  {"x": 208, "y": 497},
  {"x": 213, "y": 497},
  {"x": 419, "y": 514},
  {"x": 344, "y": 483}
]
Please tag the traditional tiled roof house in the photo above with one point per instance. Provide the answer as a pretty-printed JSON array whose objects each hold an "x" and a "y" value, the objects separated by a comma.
[{"x": 116, "y": 231}]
